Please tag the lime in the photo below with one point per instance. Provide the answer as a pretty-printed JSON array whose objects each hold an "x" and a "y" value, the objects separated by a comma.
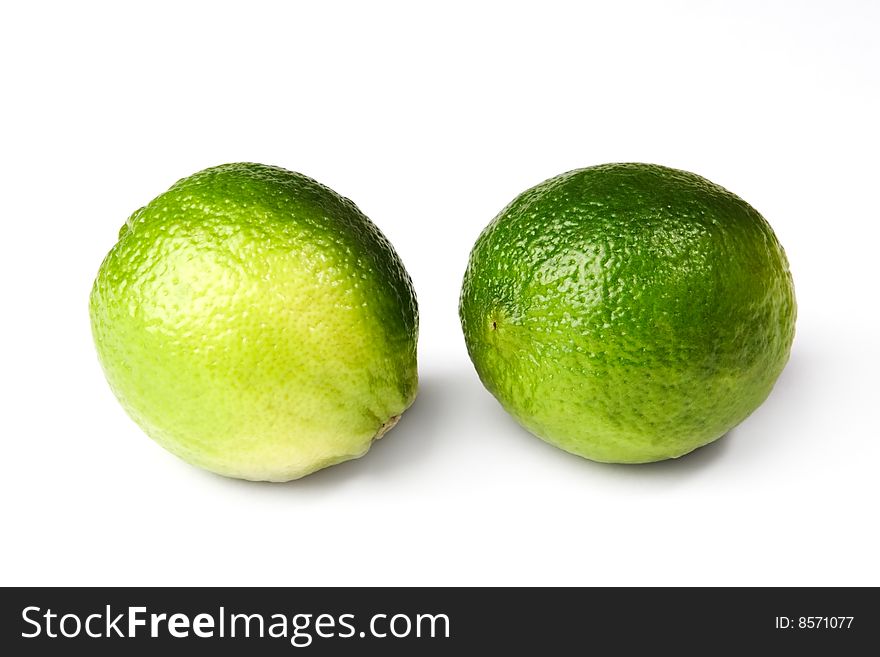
[
  {"x": 628, "y": 312},
  {"x": 256, "y": 324}
]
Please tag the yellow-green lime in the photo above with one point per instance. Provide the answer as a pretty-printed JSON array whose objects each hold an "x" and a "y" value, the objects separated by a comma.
[
  {"x": 257, "y": 324},
  {"x": 628, "y": 312}
]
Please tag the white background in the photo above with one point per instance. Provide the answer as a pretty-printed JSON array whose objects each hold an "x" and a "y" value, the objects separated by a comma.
[{"x": 432, "y": 118}]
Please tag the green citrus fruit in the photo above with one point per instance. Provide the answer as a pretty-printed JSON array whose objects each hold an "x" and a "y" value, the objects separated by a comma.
[
  {"x": 628, "y": 312},
  {"x": 256, "y": 324}
]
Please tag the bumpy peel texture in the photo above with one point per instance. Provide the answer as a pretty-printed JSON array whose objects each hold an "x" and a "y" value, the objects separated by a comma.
[
  {"x": 628, "y": 312},
  {"x": 256, "y": 323}
]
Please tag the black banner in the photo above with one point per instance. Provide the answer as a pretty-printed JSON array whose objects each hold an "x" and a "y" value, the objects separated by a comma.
[{"x": 417, "y": 621}]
